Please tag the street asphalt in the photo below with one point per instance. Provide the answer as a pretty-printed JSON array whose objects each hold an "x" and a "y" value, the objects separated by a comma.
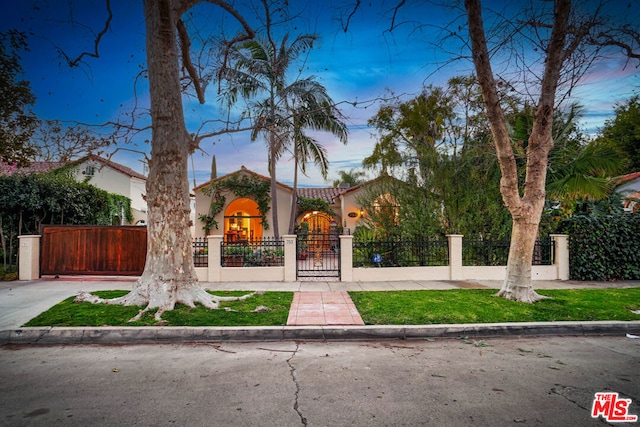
[{"x": 21, "y": 301}]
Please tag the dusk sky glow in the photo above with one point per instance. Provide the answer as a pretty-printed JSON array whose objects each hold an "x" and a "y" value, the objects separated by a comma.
[{"x": 358, "y": 65}]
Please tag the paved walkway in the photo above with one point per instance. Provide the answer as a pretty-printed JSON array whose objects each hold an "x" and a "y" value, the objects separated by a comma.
[{"x": 323, "y": 308}]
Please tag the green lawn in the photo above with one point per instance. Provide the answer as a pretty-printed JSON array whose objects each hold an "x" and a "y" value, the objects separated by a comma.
[
  {"x": 376, "y": 308},
  {"x": 481, "y": 306},
  {"x": 68, "y": 313}
]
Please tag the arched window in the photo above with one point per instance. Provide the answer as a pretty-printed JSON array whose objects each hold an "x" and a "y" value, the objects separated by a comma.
[
  {"x": 386, "y": 209},
  {"x": 242, "y": 221}
]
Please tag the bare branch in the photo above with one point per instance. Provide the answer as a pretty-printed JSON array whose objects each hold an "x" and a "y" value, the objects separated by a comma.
[
  {"x": 395, "y": 13},
  {"x": 345, "y": 26},
  {"x": 608, "y": 39},
  {"x": 95, "y": 54},
  {"x": 185, "y": 49}
]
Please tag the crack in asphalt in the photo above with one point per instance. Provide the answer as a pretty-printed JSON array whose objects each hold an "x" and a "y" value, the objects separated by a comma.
[
  {"x": 294, "y": 377},
  {"x": 562, "y": 390}
]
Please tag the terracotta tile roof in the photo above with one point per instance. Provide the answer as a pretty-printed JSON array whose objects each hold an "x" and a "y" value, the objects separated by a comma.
[
  {"x": 34, "y": 167},
  {"x": 626, "y": 178},
  {"x": 326, "y": 194}
]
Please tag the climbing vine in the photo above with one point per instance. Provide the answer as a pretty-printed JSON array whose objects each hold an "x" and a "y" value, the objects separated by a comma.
[
  {"x": 243, "y": 186},
  {"x": 307, "y": 204}
]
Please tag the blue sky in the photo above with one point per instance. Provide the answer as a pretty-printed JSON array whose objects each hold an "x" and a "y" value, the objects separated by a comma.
[{"x": 361, "y": 64}]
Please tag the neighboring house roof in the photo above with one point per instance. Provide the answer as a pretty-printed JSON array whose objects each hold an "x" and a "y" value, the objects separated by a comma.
[
  {"x": 245, "y": 170},
  {"x": 113, "y": 165},
  {"x": 365, "y": 184},
  {"x": 41, "y": 167},
  {"x": 626, "y": 178},
  {"x": 34, "y": 167}
]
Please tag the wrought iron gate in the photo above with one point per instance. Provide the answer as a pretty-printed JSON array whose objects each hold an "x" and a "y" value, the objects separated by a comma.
[{"x": 318, "y": 256}]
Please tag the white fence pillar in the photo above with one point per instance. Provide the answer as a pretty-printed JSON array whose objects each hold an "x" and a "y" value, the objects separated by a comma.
[
  {"x": 346, "y": 258},
  {"x": 561, "y": 261},
  {"x": 290, "y": 257},
  {"x": 29, "y": 254},
  {"x": 455, "y": 256},
  {"x": 215, "y": 257}
]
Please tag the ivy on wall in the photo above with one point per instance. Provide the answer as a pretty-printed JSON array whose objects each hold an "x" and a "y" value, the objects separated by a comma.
[
  {"x": 306, "y": 204},
  {"x": 241, "y": 186},
  {"x": 603, "y": 248}
]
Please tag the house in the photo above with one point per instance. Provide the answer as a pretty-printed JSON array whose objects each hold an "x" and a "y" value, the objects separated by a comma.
[
  {"x": 114, "y": 178},
  {"x": 99, "y": 172},
  {"x": 236, "y": 212},
  {"x": 629, "y": 187}
]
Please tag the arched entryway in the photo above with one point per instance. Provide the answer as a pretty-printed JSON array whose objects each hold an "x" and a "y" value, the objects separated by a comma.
[
  {"x": 242, "y": 221},
  {"x": 318, "y": 222}
]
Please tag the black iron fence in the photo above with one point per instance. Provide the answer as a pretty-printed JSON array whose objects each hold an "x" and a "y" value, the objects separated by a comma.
[
  {"x": 477, "y": 252},
  {"x": 381, "y": 253},
  {"x": 400, "y": 253},
  {"x": 267, "y": 252},
  {"x": 200, "y": 252}
]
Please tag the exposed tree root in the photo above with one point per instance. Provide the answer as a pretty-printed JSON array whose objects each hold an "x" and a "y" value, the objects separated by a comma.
[
  {"x": 520, "y": 294},
  {"x": 163, "y": 296}
]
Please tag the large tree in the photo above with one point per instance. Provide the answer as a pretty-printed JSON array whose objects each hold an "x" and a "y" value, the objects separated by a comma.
[
  {"x": 169, "y": 276},
  {"x": 561, "y": 36},
  {"x": 623, "y": 132},
  {"x": 17, "y": 121}
]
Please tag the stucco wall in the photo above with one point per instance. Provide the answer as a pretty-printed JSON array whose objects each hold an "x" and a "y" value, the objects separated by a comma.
[
  {"x": 105, "y": 178},
  {"x": 350, "y": 205},
  {"x": 116, "y": 182},
  {"x": 203, "y": 203}
]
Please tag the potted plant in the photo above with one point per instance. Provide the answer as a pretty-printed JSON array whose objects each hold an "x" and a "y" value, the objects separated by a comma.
[
  {"x": 302, "y": 250},
  {"x": 272, "y": 257},
  {"x": 233, "y": 255}
]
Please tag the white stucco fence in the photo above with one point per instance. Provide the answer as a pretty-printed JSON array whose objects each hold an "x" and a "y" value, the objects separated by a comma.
[{"x": 29, "y": 267}]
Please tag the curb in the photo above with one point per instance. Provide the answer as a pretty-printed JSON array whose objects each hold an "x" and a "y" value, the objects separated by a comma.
[{"x": 182, "y": 334}]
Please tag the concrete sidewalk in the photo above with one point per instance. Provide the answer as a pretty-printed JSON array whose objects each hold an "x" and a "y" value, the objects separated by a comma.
[{"x": 22, "y": 301}]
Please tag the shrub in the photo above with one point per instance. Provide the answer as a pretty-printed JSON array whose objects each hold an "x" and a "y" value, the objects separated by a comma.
[{"x": 603, "y": 248}]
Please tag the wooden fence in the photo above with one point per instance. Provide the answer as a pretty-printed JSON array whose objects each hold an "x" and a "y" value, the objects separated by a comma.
[{"x": 99, "y": 250}]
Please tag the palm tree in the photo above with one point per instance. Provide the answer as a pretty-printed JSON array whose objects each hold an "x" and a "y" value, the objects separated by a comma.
[
  {"x": 577, "y": 171},
  {"x": 321, "y": 116},
  {"x": 352, "y": 178},
  {"x": 582, "y": 173},
  {"x": 282, "y": 111}
]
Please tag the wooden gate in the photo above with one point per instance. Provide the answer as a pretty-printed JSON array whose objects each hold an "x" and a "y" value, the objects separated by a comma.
[{"x": 90, "y": 249}]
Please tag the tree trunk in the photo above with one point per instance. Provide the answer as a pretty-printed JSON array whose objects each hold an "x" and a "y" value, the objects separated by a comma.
[
  {"x": 517, "y": 284},
  {"x": 169, "y": 274},
  {"x": 274, "y": 186},
  {"x": 294, "y": 195}
]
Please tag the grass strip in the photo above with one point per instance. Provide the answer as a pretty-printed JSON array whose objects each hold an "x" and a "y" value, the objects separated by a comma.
[
  {"x": 481, "y": 306},
  {"x": 68, "y": 313},
  {"x": 376, "y": 308}
]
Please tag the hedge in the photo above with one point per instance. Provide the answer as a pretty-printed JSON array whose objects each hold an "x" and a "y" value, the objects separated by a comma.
[{"x": 603, "y": 248}]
